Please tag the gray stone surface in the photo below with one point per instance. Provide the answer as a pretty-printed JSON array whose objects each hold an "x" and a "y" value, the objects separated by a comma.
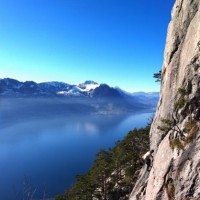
[{"x": 176, "y": 173}]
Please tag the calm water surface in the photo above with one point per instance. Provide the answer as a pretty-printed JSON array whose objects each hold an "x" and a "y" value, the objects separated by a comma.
[{"x": 47, "y": 149}]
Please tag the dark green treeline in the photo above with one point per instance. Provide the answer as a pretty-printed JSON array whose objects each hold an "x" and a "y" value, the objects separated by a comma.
[{"x": 114, "y": 172}]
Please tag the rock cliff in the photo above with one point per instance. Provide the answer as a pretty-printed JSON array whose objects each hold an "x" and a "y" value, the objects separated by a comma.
[{"x": 175, "y": 135}]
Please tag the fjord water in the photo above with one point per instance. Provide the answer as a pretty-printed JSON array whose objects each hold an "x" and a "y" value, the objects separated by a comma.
[{"x": 45, "y": 145}]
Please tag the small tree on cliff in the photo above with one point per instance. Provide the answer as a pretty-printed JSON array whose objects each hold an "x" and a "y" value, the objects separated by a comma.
[{"x": 158, "y": 76}]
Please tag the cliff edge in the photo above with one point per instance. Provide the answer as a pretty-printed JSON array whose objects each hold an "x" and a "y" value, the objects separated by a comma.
[{"x": 175, "y": 134}]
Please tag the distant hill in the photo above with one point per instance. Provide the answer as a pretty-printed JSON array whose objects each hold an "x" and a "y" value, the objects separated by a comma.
[{"x": 105, "y": 95}]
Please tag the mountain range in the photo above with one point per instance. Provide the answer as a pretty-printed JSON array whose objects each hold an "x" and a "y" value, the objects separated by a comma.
[{"x": 88, "y": 90}]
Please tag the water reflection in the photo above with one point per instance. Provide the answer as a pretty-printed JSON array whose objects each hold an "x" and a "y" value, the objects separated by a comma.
[
  {"x": 52, "y": 147},
  {"x": 86, "y": 127}
]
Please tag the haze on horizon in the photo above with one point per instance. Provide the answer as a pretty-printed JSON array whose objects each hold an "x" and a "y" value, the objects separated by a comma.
[{"x": 108, "y": 41}]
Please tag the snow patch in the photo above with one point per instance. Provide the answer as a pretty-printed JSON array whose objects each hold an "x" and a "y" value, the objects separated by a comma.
[{"x": 87, "y": 86}]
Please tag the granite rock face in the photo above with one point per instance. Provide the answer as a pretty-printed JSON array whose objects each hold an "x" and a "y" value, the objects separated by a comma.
[{"x": 175, "y": 174}]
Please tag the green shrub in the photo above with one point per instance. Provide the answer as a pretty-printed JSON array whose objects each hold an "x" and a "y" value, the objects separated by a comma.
[
  {"x": 164, "y": 128},
  {"x": 176, "y": 143},
  {"x": 166, "y": 125},
  {"x": 182, "y": 100},
  {"x": 180, "y": 103},
  {"x": 182, "y": 91}
]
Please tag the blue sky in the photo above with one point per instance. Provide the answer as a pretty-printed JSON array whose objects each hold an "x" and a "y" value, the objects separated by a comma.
[{"x": 117, "y": 42}]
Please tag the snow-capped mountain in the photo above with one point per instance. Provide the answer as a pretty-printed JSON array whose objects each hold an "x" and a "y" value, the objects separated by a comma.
[
  {"x": 12, "y": 87},
  {"x": 88, "y": 89},
  {"x": 82, "y": 89},
  {"x": 88, "y": 86}
]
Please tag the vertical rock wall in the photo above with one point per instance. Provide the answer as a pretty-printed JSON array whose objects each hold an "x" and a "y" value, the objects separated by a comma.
[{"x": 175, "y": 173}]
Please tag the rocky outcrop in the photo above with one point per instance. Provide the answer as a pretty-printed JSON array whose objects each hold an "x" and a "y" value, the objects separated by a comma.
[{"x": 175, "y": 174}]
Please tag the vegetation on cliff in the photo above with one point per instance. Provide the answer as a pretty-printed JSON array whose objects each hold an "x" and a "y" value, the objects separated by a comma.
[{"x": 114, "y": 172}]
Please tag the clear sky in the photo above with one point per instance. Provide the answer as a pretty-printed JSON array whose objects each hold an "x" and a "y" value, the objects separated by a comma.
[{"x": 118, "y": 42}]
